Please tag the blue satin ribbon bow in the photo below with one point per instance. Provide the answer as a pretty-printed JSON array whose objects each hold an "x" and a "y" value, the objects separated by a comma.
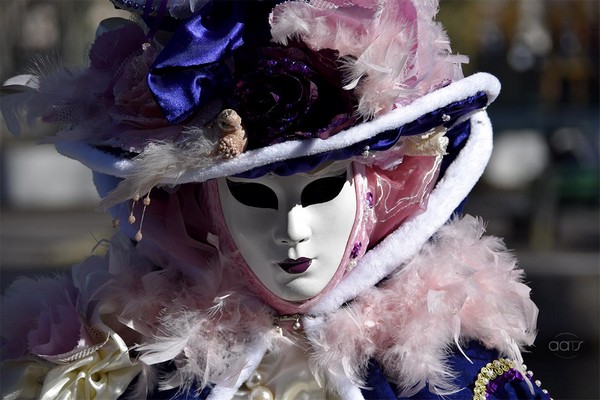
[{"x": 191, "y": 69}]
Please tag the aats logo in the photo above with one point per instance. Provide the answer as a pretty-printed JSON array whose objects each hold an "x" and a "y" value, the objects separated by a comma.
[{"x": 565, "y": 345}]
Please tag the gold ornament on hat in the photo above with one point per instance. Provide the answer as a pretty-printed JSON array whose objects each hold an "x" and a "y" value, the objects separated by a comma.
[{"x": 234, "y": 139}]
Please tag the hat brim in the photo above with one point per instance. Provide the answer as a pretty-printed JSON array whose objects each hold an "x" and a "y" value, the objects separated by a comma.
[{"x": 484, "y": 87}]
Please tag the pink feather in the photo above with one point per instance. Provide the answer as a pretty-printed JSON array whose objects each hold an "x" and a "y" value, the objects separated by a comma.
[
  {"x": 394, "y": 51},
  {"x": 462, "y": 286}
]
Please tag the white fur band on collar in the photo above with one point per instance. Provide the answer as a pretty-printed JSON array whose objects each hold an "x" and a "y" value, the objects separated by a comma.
[{"x": 406, "y": 241}]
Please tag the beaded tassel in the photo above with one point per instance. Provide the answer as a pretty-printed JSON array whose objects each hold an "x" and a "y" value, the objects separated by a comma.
[{"x": 146, "y": 202}]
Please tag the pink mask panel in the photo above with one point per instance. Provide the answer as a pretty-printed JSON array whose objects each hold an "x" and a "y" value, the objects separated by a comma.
[{"x": 400, "y": 193}]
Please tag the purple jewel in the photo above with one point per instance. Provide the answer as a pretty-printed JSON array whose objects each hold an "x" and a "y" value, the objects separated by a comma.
[
  {"x": 355, "y": 250},
  {"x": 508, "y": 376},
  {"x": 369, "y": 197}
]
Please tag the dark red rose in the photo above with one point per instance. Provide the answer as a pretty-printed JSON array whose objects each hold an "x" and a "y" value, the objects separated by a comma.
[{"x": 285, "y": 93}]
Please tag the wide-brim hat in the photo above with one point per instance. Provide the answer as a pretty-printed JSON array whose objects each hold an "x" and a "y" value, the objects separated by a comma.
[
  {"x": 147, "y": 112},
  {"x": 446, "y": 107},
  {"x": 133, "y": 118}
]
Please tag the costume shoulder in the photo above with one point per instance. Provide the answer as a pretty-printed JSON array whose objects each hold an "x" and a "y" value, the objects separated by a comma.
[{"x": 483, "y": 375}]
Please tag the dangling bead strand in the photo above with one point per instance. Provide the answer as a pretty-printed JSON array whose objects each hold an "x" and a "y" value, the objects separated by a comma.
[
  {"x": 131, "y": 219},
  {"x": 138, "y": 236},
  {"x": 296, "y": 326}
]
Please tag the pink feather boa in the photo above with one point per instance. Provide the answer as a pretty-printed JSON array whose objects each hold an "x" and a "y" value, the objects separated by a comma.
[{"x": 462, "y": 286}]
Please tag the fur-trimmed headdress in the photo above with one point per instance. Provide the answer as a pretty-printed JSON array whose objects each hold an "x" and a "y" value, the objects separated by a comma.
[{"x": 204, "y": 89}]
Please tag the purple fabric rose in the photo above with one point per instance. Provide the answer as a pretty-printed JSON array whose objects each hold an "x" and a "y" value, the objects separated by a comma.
[
  {"x": 290, "y": 92},
  {"x": 40, "y": 316},
  {"x": 133, "y": 102},
  {"x": 110, "y": 102},
  {"x": 125, "y": 57}
]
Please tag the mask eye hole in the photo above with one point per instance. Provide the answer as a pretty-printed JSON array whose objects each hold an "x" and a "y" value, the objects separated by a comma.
[
  {"x": 323, "y": 190},
  {"x": 253, "y": 194}
]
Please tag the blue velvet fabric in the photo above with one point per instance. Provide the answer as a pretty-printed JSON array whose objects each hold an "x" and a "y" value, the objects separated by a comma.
[
  {"x": 176, "y": 394},
  {"x": 378, "y": 387},
  {"x": 385, "y": 140},
  {"x": 192, "y": 70}
]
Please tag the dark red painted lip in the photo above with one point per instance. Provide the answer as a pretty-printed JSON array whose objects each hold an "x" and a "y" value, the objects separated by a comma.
[{"x": 297, "y": 266}]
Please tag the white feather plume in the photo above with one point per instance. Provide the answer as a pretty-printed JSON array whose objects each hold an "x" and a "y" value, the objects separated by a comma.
[{"x": 166, "y": 160}]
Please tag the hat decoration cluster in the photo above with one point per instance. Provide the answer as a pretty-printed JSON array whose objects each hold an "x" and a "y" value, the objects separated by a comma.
[{"x": 233, "y": 76}]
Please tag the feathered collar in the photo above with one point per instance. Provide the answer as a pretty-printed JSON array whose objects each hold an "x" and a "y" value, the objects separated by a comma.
[{"x": 461, "y": 286}]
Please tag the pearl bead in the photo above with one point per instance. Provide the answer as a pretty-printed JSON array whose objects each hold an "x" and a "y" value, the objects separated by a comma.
[
  {"x": 351, "y": 265},
  {"x": 254, "y": 380},
  {"x": 296, "y": 326},
  {"x": 136, "y": 197},
  {"x": 261, "y": 393},
  {"x": 146, "y": 201},
  {"x": 131, "y": 219},
  {"x": 138, "y": 236}
]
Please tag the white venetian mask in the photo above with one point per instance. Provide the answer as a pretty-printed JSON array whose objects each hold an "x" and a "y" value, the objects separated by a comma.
[{"x": 291, "y": 231}]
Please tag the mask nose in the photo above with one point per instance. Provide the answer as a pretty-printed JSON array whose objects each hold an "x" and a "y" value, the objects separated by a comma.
[{"x": 293, "y": 227}]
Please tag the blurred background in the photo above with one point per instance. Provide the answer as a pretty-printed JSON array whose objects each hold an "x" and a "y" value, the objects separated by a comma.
[{"x": 540, "y": 191}]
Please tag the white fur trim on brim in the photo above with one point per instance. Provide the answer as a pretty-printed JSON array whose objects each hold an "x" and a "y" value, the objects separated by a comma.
[
  {"x": 109, "y": 164},
  {"x": 406, "y": 241}
]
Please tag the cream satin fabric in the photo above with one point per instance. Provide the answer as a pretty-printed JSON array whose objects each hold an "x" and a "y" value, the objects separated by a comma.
[
  {"x": 286, "y": 374},
  {"x": 104, "y": 374}
]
